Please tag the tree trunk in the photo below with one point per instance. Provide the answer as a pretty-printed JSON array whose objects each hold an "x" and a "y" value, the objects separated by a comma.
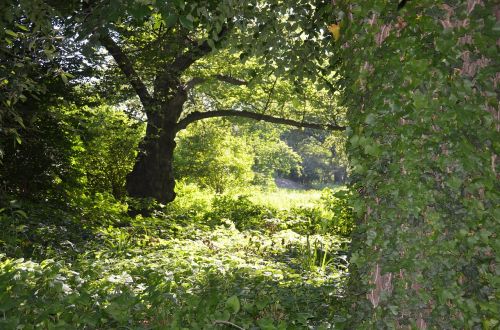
[
  {"x": 153, "y": 174},
  {"x": 424, "y": 114}
]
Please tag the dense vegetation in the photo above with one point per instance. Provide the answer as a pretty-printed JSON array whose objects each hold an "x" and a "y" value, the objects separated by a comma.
[
  {"x": 144, "y": 145},
  {"x": 198, "y": 263},
  {"x": 78, "y": 250}
]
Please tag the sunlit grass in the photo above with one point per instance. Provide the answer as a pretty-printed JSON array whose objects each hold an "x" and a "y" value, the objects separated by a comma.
[
  {"x": 189, "y": 196},
  {"x": 285, "y": 199}
]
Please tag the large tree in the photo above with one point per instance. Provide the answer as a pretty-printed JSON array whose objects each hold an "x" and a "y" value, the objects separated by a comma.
[
  {"x": 421, "y": 81},
  {"x": 156, "y": 45}
]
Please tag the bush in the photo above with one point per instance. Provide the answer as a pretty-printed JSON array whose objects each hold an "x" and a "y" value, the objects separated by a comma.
[
  {"x": 306, "y": 220},
  {"x": 338, "y": 203},
  {"x": 36, "y": 167},
  {"x": 105, "y": 149},
  {"x": 244, "y": 213}
]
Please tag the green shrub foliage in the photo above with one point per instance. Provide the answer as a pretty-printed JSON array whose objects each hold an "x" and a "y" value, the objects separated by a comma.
[
  {"x": 338, "y": 204},
  {"x": 92, "y": 266},
  {"x": 105, "y": 148},
  {"x": 42, "y": 161},
  {"x": 240, "y": 210},
  {"x": 421, "y": 86}
]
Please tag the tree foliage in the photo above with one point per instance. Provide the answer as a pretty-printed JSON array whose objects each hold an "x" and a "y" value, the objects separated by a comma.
[
  {"x": 159, "y": 48},
  {"x": 25, "y": 53},
  {"x": 43, "y": 160},
  {"x": 105, "y": 148},
  {"x": 214, "y": 158}
]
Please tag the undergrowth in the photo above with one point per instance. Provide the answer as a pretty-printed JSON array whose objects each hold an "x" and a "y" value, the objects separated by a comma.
[{"x": 203, "y": 262}]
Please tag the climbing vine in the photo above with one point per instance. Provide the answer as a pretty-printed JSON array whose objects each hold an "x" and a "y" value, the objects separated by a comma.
[{"x": 421, "y": 82}]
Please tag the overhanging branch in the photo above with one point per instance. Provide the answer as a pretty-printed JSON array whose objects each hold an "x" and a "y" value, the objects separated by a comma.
[
  {"x": 195, "y": 116},
  {"x": 227, "y": 79},
  {"x": 231, "y": 80},
  {"x": 125, "y": 66}
]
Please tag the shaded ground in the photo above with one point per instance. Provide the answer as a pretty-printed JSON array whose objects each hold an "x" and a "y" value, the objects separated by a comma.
[{"x": 288, "y": 184}]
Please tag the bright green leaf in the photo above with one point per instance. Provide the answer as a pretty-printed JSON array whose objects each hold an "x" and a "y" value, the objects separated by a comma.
[{"x": 233, "y": 303}]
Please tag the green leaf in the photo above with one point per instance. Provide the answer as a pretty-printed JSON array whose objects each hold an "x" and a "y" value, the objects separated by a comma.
[
  {"x": 11, "y": 33},
  {"x": 64, "y": 78},
  {"x": 180, "y": 4},
  {"x": 211, "y": 43},
  {"x": 21, "y": 213},
  {"x": 139, "y": 12},
  {"x": 266, "y": 323},
  {"x": 370, "y": 119},
  {"x": 223, "y": 316},
  {"x": 496, "y": 27},
  {"x": 22, "y": 27},
  {"x": 233, "y": 304},
  {"x": 171, "y": 20},
  {"x": 117, "y": 312},
  {"x": 186, "y": 22}
]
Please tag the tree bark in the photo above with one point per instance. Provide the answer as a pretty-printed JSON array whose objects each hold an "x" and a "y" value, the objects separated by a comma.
[{"x": 153, "y": 174}]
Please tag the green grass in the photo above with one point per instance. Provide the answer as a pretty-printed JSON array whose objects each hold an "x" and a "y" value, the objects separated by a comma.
[
  {"x": 178, "y": 270},
  {"x": 285, "y": 199}
]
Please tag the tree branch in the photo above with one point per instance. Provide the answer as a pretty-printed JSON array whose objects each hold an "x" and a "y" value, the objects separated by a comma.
[
  {"x": 195, "y": 116},
  {"x": 327, "y": 82},
  {"x": 184, "y": 61},
  {"x": 231, "y": 80},
  {"x": 227, "y": 79},
  {"x": 125, "y": 66},
  {"x": 193, "y": 82}
]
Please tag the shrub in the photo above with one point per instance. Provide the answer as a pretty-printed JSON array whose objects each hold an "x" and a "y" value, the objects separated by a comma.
[
  {"x": 338, "y": 203},
  {"x": 240, "y": 210},
  {"x": 213, "y": 158},
  {"x": 306, "y": 220}
]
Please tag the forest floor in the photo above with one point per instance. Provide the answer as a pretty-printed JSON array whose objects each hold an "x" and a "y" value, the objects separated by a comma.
[{"x": 248, "y": 262}]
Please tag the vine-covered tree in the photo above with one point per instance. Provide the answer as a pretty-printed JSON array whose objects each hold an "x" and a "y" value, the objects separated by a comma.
[{"x": 421, "y": 84}]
